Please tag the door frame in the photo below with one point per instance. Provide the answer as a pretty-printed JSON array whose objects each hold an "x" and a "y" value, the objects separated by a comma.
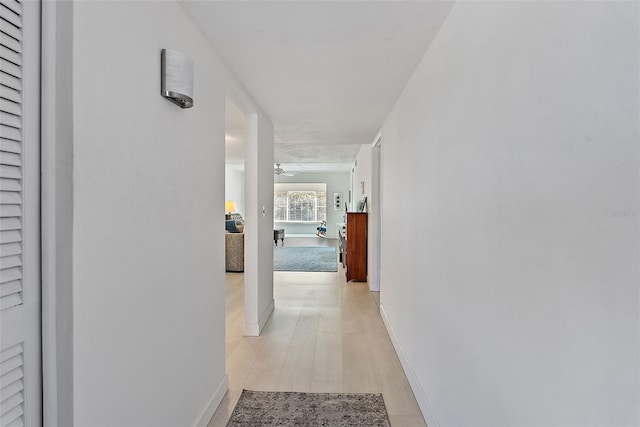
[
  {"x": 56, "y": 157},
  {"x": 376, "y": 213}
]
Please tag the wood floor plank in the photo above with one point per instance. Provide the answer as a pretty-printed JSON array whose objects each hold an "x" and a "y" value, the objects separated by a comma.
[
  {"x": 325, "y": 336},
  {"x": 327, "y": 371},
  {"x": 406, "y": 421}
]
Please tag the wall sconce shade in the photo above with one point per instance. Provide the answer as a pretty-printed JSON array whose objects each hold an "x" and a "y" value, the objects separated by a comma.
[{"x": 176, "y": 78}]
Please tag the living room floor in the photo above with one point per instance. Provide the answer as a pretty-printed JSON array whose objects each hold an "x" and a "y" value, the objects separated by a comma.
[{"x": 325, "y": 335}]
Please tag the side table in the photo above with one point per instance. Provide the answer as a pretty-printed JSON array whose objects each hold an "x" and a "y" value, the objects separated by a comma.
[{"x": 278, "y": 233}]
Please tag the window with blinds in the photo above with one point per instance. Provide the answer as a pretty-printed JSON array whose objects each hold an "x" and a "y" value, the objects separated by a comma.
[
  {"x": 11, "y": 285},
  {"x": 299, "y": 202}
]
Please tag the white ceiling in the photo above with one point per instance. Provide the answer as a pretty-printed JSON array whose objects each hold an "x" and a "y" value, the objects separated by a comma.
[{"x": 326, "y": 73}]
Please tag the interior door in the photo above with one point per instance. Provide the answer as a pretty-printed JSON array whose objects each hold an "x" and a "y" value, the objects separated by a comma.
[{"x": 20, "y": 312}]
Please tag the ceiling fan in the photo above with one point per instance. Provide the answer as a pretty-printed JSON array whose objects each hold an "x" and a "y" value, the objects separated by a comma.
[{"x": 279, "y": 171}]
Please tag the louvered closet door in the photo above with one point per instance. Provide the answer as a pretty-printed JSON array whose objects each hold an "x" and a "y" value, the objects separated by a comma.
[{"x": 20, "y": 313}]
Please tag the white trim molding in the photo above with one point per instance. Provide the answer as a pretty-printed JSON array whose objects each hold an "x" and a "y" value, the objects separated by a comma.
[
  {"x": 377, "y": 139},
  {"x": 255, "y": 329},
  {"x": 210, "y": 408},
  {"x": 57, "y": 212},
  {"x": 418, "y": 392}
]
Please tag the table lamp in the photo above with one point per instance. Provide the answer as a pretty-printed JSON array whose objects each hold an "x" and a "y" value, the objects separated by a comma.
[{"x": 229, "y": 207}]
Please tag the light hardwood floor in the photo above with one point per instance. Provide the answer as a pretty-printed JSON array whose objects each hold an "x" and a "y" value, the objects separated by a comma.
[{"x": 325, "y": 335}]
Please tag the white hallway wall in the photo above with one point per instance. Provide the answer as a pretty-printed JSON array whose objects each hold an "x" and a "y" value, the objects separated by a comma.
[
  {"x": 234, "y": 187},
  {"x": 258, "y": 259},
  {"x": 148, "y": 211},
  {"x": 512, "y": 291},
  {"x": 361, "y": 174},
  {"x": 337, "y": 182}
]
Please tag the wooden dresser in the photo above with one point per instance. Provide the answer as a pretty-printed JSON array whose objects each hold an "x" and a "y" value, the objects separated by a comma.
[{"x": 354, "y": 247}]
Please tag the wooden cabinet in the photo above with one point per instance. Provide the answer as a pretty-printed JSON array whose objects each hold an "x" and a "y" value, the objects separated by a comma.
[{"x": 355, "y": 257}]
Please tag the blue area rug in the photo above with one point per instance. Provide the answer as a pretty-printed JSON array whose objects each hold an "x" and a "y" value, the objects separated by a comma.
[{"x": 304, "y": 258}]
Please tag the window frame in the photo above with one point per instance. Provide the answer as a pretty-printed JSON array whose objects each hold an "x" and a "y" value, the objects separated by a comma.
[{"x": 288, "y": 189}]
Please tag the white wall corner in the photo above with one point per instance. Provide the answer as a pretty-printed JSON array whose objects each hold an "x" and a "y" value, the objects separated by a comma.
[
  {"x": 254, "y": 329},
  {"x": 266, "y": 315},
  {"x": 210, "y": 407},
  {"x": 418, "y": 392},
  {"x": 377, "y": 140}
]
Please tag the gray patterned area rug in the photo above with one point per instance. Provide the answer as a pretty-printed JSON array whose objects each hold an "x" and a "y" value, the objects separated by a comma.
[
  {"x": 277, "y": 408},
  {"x": 305, "y": 258}
]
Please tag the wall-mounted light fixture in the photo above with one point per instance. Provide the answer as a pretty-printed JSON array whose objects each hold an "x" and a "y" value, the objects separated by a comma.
[{"x": 176, "y": 78}]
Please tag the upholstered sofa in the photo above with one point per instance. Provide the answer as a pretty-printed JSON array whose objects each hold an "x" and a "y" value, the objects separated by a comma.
[
  {"x": 234, "y": 243},
  {"x": 234, "y": 251}
]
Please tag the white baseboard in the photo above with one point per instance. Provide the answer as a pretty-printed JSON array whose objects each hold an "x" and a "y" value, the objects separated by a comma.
[
  {"x": 254, "y": 329},
  {"x": 418, "y": 392},
  {"x": 210, "y": 408},
  {"x": 266, "y": 314},
  {"x": 251, "y": 330}
]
